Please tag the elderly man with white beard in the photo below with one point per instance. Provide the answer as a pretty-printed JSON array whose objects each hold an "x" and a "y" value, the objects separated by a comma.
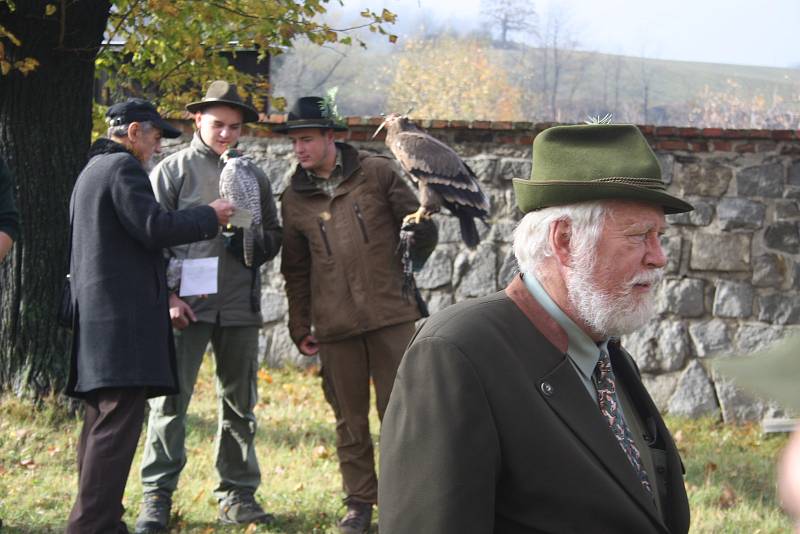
[{"x": 520, "y": 412}]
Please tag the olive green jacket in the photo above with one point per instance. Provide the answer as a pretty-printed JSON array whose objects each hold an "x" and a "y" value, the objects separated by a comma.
[
  {"x": 490, "y": 430},
  {"x": 190, "y": 177},
  {"x": 343, "y": 273}
]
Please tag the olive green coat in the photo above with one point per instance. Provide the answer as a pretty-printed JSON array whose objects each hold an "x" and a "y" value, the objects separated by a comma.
[
  {"x": 489, "y": 430},
  {"x": 190, "y": 177}
]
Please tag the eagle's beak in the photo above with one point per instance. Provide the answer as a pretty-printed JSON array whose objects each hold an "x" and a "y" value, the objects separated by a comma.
[{"x": 378, "y": 130}]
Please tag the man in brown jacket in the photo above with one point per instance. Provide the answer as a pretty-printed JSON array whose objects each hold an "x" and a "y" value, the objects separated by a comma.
[{"x": 342, "y": 215}]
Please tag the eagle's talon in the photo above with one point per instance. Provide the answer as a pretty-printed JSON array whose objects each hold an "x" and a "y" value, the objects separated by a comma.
[{"x": 415, "y": 218}]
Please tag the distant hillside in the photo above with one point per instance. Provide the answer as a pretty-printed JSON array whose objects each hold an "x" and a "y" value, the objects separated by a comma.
[{"x": 675, "y": 92}]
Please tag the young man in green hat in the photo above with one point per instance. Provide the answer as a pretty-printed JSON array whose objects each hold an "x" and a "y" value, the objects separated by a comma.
[
  {"x": 520, "y": 412},
  {"x": 229, "y": 319},
  {"x": 342, "y": 214}
]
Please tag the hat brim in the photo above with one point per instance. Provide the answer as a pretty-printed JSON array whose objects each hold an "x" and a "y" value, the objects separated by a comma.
[
  {"x": 167, "y": 130},
  {"x": 532, "y": 196},
  {"x": 249, "y": 114},
  {"x": 308, "y": 123},
  {"x": 772, "y": 373}
]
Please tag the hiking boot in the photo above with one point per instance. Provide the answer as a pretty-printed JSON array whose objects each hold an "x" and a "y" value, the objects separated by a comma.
[
  {"x": 357, "y": 518},
  {"x": 242, "y": 509},
  {"x": 154, "y": 513}
]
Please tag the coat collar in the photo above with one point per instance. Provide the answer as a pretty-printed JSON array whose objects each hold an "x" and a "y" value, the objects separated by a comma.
[
  {"x": 351, "y": 164},
  {"x": 536, "y": 314},
  {"x": 201, "y": 147},
  {"x": 561, "y": 388},
  {"x": 107, "y": 146}
]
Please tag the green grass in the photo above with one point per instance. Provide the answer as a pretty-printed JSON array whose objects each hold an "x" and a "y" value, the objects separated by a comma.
[{"x": 730, "y": 470}]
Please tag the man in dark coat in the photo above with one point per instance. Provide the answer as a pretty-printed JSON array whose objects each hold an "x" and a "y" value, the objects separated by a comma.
[
  {"x": 122, "y": 350},
  {"x": 520, "y": 412}
]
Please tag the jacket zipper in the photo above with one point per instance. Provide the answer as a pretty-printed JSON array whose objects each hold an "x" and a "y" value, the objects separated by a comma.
[
  {"x": 324, "y": 234},
  {"x": 360, "y": 217}
]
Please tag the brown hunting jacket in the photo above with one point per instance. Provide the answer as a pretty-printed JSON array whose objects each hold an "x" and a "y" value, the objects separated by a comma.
[{"x": 343, "y": 275}]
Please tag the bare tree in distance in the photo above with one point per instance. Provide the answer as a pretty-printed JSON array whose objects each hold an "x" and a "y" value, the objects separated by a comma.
[
  {"x": 510, "y": 16},
  {"x": 559, "y": 62}
]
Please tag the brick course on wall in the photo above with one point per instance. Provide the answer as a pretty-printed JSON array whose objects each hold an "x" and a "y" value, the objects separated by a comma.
[{"x": 733, "y": 278}]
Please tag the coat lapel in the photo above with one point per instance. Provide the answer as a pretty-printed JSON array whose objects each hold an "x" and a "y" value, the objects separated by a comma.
[{"x": 565, "y": 394}]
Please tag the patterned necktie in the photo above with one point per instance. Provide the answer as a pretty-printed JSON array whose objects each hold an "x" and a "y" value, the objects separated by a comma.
[{"x": 609, "y": 407}]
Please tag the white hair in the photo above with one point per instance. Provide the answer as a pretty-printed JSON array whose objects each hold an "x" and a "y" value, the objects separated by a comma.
[
  {"x": 121, "y": 130},
  {"x": 531, "y": 245}
]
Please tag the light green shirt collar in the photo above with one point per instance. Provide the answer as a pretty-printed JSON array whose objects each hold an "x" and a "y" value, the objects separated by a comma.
[{"x": 582, "y": 350}]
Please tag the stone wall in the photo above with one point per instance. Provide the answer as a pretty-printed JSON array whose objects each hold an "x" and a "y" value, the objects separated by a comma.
[{"x": 733, "y": 277}]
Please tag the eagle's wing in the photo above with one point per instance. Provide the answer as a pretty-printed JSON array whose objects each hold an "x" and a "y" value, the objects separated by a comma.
[{"x": 435, "y": 164}]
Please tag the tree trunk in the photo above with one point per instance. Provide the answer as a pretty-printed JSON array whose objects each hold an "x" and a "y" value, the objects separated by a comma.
[{"x": 45, "y": 131}]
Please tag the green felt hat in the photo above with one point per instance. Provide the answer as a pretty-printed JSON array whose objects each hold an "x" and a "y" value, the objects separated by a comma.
[
  {"x": 772, "y": 373},
  {"x": 593, "y": 162}
]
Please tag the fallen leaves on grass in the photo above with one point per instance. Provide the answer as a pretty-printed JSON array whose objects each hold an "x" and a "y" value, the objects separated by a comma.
[
  {"x": 264, "y": 376},
  {"x": 321, "y": 452},
  {"x": 728, "y": 499},
  {"x": 27, "y": 463}
]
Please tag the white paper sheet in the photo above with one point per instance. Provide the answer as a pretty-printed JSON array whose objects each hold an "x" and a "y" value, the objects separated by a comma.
[
  {"x": 241, "y": 217},
  {"x": 199, "y": 276}
]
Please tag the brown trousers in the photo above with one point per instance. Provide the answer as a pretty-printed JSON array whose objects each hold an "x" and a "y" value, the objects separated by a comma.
[
  {"x": 112, "y": 423},
  {"x": 347, "y": 366}
]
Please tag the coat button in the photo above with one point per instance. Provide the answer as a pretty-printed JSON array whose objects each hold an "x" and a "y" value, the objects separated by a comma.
[{"x": 546, "y": 388}]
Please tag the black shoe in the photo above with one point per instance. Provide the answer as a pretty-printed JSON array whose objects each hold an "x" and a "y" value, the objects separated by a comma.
[
  {"x": 357, "y": 519},
  {"x": 154, "y": 513},
  {"x": 242, "y": 509}
]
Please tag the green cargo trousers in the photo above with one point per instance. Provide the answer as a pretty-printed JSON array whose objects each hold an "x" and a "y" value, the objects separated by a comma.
[
  {"x": 235, "y": 354},
  {"x": 347, "y": 367}
]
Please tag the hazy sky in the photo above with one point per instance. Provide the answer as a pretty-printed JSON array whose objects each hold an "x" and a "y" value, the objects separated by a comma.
[{"x": 719, "y": 31}]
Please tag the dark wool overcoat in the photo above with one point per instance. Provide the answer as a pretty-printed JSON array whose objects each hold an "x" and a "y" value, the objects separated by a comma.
[
  {"x": 490, "y": 430},
  {"x": 122, "y": 335}
]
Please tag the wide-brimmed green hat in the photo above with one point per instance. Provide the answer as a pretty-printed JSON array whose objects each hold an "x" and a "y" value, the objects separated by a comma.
[
  {"x": 222, "y": 92},
  {"x": 593, "y": 162},
  {"x": 772, "y": 373}
]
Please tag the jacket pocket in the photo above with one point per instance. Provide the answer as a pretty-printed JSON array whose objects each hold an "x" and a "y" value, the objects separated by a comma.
[
  {"x": 324, "y": 233},
  {"x": 361, "y": 223}
]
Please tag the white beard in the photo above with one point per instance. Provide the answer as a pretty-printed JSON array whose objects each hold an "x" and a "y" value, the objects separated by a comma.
[{"x": 611, "y": 315}]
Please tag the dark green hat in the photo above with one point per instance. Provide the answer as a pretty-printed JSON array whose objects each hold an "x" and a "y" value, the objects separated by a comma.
[
  {"x": 772, "y": 373},
  {"x": 222, "y": 92},
  {"x": 311, "y": 112},
  {"x": 593, "y": 162}
]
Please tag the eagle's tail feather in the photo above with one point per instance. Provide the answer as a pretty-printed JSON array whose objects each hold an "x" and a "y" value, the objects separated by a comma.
[{"x": 469, "y": 232}]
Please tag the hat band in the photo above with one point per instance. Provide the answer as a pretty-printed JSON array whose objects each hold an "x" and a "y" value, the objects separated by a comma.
[{"x": 647, "y": 183}]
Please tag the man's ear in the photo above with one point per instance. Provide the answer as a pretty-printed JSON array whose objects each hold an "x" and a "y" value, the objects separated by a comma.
[
  {"x": 559, "y": 238},
  {"x": 134, "y": 129},
  {"x": 197, "y": 117}
]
